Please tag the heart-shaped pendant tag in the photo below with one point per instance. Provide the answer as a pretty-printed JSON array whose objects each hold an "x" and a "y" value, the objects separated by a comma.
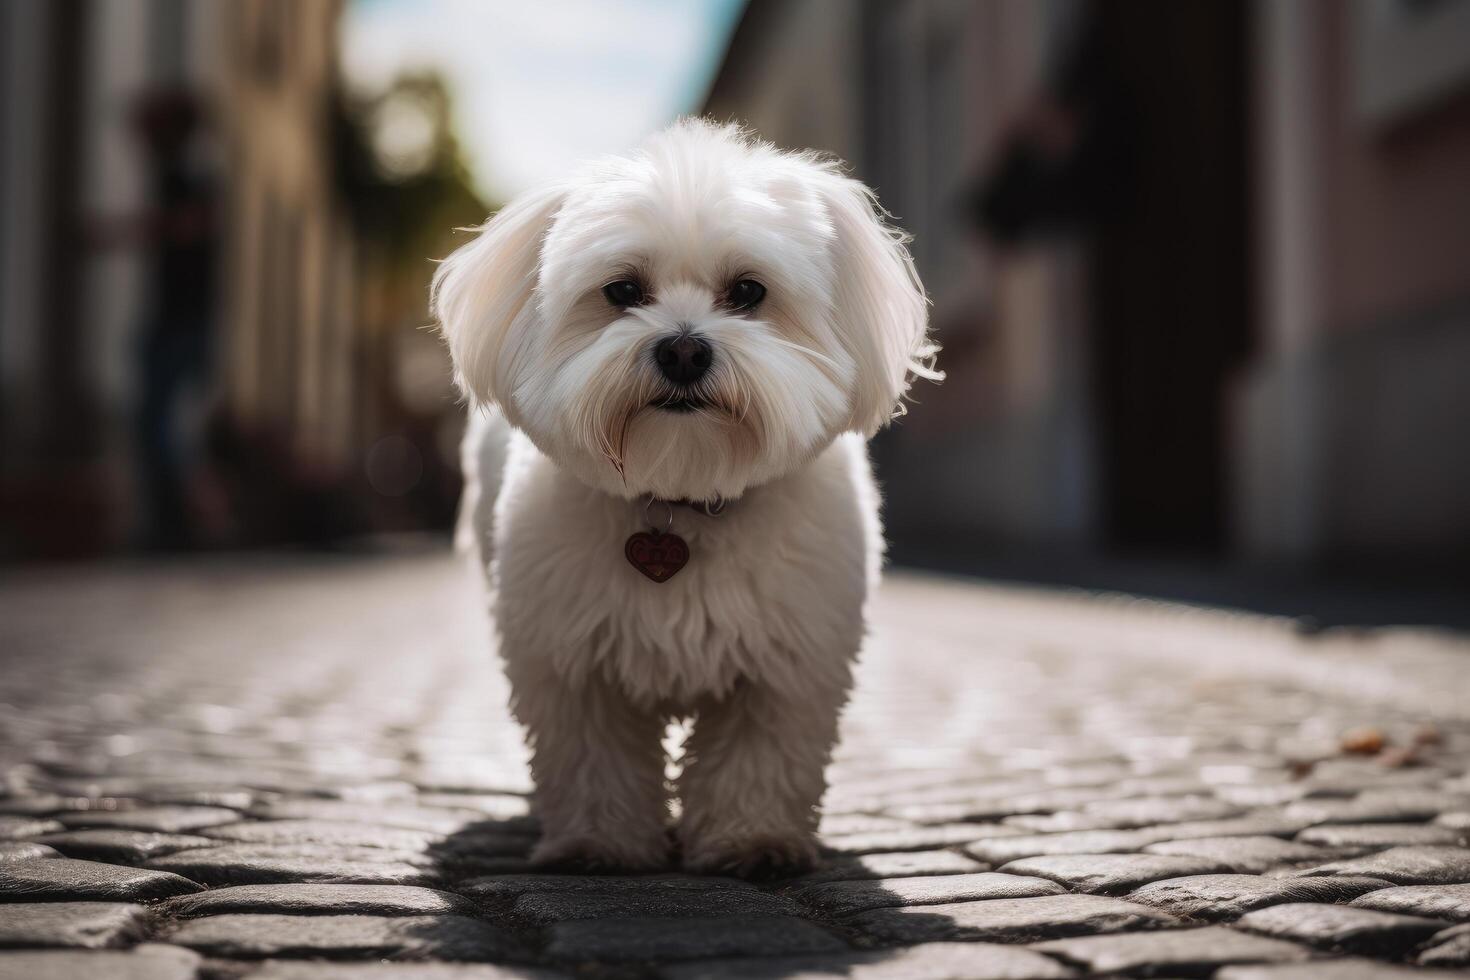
[{"x": 657, "y": 554}]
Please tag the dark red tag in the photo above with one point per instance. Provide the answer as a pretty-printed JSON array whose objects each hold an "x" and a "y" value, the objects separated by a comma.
[{"x": 657, "y": 554}]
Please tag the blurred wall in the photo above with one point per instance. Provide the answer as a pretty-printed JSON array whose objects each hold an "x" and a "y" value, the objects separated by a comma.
[
  {"x": 290, "y": 271},
  {"x": 1350, "y": 424},
  {"x": 1201, "y": 271}
]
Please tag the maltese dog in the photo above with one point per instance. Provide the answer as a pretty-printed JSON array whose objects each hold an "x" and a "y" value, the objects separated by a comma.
[{"x": 674, "y": 359}]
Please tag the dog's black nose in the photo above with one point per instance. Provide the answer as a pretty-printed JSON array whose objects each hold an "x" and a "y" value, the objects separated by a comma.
[{"x": 683, "y": 358}]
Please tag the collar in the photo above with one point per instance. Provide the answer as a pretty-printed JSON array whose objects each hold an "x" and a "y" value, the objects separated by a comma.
[
  {"x": 713, "y": 507},
  {"x": 652, "y": 506}
]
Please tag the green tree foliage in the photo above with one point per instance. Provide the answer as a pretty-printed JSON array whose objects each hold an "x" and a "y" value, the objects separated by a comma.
[{"x": 399, "y": 170}]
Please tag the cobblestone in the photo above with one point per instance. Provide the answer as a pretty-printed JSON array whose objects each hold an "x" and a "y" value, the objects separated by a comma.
[
  {"x": 84, "y": 925},
  {"x": 1341, "y": 927},
  {"x": 450, "y": 937},
  {"x": 1450, "y": 902},
  {"x": 923, "y": 838},
  {"x": 296, "y": 970},
  {"x": 1112, "y": 873},
  {"x": 514, "y": 886},
  {"x": 65, "y": 879},
  {"x": 255, "y": 865},
  {"x": 842, "y": 897},
  {"x": 1248, "y": 855},
  {"x": 301, "y": 768},
  {"x": 1406, "y": 866},
  {"x": 904, "y": 864},
  {"x": 18, "y": 828},
  {"x": 161, "y": 820},
  {"x": 119, "y": 846},
  {"x": 1151, "y": 811},
  {"x": 1391, "y": 810},
  {"x": 324, "y": 852},
  {"x": 1007, "y": 849},
  {"x": 147, "y": 962},
  {"x": 1175, "y": 951},
  {"x": 1450, "y": 948},
  {"x": 342, "y": 833},
  {"x": 928, "y": 961},
  {"x": 320, "y": 900},
  {"x": 548, "y": 907},
  {"x": 1010, "y": 920},
  {"x": 622, "y": 940},
  {"x": 445, "y": 819},
  {"x": 1224, "y": 897},
  {"x": 1265, "y": 823},
  {"x": 1337, "y": 969},
  {"x": 1374, "y": 835},
  {"x": 24, "y": 851}
]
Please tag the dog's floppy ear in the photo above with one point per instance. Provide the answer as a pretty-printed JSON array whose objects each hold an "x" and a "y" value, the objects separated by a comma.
[
  {"x": 484, "y": 290},
  {"x": 881, "y": 310}
]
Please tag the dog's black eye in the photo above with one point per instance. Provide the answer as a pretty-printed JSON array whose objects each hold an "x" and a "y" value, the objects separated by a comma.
[
  {"x": 623, "y": 292},
  {"x": 746, "y": 293}
]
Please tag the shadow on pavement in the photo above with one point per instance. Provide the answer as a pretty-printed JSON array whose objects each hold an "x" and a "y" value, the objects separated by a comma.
[{"x": 765, "y": 929}]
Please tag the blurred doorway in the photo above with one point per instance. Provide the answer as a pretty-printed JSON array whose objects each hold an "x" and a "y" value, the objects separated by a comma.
[{"x": 1169, "y": 266}]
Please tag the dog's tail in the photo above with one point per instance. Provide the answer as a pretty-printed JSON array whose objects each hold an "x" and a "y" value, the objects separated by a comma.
[{"x": 482, "y": 459}]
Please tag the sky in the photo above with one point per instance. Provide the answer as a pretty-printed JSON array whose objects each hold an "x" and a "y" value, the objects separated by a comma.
[{"x": 540, "y": 85}]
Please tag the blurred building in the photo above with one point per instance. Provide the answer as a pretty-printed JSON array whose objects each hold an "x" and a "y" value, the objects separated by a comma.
[
  {"x": 66, "y": 309},
  {"x": 1201, "y": 271},
  {"x": 203, "y": 337},
  {"x": 291, "y": 274}
]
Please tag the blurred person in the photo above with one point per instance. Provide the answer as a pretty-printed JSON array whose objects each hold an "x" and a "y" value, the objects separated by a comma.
[
  {"x": 180, "y": 233},
  {"x": 1139, "y": 162}
]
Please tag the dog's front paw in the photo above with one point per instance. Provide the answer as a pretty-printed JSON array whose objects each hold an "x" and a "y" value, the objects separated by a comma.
[
  {"x": 757, "y": 857},
  {"x": 589, "y": 855}
]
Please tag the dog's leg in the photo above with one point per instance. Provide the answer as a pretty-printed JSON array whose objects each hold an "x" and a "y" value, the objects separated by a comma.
[
  {"x": 754, "y": 774},
  {"x": 598, "y": 765}
]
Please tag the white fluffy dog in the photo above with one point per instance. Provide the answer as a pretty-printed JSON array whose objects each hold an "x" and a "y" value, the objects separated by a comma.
[{"x": 690, "y": 346}]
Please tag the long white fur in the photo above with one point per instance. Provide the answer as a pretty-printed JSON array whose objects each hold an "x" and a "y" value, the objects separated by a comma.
[{"x": 756, "y": 637}]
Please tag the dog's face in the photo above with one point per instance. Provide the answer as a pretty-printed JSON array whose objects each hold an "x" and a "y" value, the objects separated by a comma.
[{"x": 689, "y": 321}]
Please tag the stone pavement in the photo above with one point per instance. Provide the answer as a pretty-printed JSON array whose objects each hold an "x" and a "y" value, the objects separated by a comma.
[{"x": 298, "y": 769}]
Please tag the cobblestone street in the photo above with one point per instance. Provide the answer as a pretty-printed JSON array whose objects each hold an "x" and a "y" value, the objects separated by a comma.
[{"x": 289, "y": 768}]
